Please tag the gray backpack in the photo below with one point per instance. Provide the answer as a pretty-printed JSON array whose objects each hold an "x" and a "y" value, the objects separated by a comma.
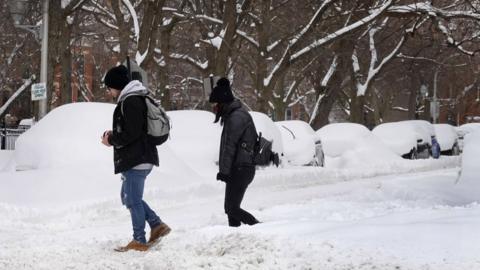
[{"x": 158, "y": 123}]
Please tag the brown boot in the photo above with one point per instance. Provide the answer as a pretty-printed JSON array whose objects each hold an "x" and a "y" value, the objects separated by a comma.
[
  {"x": 157, "y": 232},
  {"x": 133, "y": 245}
]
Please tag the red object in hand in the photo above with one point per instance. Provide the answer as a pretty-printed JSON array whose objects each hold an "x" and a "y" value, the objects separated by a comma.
[{"x": 216, "y": 108}]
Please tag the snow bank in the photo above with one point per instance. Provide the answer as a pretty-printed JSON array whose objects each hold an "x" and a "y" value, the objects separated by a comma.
[
  {"x": 6, "y": 157},
  {"x": 195, "y": 138},
  {"x": 68, "y": 163},
  {"x": 68, "y": 135},
  {"x": 469, "y": 128},
  {"x": 468, "y": 186},
  {"x": 61, "y": 158},
  {"x": 298, "y": 139},
  {"x": 349, "y": 145}
]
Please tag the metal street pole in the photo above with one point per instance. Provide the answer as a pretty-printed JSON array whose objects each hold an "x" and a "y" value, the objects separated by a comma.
[
  {"x": 434, "y": 108},
  {"x": 42, "y": 106}
]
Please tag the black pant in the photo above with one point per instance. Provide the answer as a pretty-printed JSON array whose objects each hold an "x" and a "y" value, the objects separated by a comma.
[{"x": 240, "y": 178}]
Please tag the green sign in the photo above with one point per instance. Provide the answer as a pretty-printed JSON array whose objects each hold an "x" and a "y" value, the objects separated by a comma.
[{"x": 39, "y": 91}]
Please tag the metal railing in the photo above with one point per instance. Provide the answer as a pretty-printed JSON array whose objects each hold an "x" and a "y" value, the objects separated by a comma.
[{"x": 9, "y": 136}]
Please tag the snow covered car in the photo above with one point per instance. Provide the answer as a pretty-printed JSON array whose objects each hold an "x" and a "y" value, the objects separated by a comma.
[
  {"x": 425, "y": 132},
  {"x": 300, "y": 144},
  {"x": 400, "y": 137},
  {"x": 269, "y": 131},
  {"x": 26, "y": 123},
  {"x": 447, "y": 138},
  {"x": 350, "y": 145}
]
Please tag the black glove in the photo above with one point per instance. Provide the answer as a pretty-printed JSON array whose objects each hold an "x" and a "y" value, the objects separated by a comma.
[
  {"x": 275, "y": 159},
  {"x": 223, "y": 177}
]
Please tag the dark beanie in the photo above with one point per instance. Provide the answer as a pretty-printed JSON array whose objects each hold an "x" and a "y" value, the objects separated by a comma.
[
  {"x": 117, "y": 77},
  {"x": 222, "y": 92}
]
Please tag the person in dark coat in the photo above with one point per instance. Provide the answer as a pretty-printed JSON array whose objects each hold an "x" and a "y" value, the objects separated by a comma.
[
  {"x": 134, "y": 156},
  {"x": 236, "y": 164}
]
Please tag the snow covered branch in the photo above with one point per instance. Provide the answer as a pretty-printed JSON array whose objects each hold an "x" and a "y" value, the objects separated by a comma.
[
  {"x": 451, "y": 41},
  {"x": 341, "y": 32},
  {"x": 133, "y": 14},
  {"x": 17, "y": 93},
  {"x": 324, "y": 83},
  {"x": 190, "y": 60},
  {"x": 428, "y": 9}
]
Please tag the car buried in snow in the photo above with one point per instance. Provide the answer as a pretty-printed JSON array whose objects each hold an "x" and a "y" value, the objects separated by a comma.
[
  {"x": 300, "y": 144},
  {"x": 400, "y": 137},
  {"x": 425, "y": 134},
  {"x": 269, "y": 131},
  {"x": 448, "y": 139}
]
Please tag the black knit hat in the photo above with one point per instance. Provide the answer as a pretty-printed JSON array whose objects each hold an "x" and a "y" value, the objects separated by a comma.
[
  {"x": 117, "y": 77},
  {"x": 222, "y": 92}
]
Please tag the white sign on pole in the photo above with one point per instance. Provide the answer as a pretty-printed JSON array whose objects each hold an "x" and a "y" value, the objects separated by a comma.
[
  {"x": 39, "y": 91},
  {"x": 208, "y": 84},
  {"x": 435, "y": 110},
  {"x": 137, "y": 72}
]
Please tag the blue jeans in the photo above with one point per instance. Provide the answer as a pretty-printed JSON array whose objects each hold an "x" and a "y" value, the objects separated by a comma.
[{"x": 133, "y": 182}]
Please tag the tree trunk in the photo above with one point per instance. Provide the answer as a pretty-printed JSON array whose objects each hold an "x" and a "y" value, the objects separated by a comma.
[
  {"x": 377, "y": 109},
  {"x": 412, "y": 100},
  {"x": 343, "y": 49},
  {"x": 263, "y": 33},
  {"x": 280, "y": 106},
  {"x": 123, "y": 28},
  {"x": 230, "y": 26},
  {"x": 357, "y": 109},
  {"x": 66, "y": 64}
]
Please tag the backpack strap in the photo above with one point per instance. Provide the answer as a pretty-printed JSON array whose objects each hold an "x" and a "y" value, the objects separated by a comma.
[{"x": 127, "y": 96}]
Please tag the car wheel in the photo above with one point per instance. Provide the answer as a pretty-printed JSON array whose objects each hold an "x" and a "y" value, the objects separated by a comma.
[
  {"x": 319, "y": 160},
  {"x": 455, "y": 150},
  {"x": 413, "y": 154}
]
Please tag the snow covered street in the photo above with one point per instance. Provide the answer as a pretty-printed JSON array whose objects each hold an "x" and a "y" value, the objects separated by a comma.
[{"x": 316, "y": 219}]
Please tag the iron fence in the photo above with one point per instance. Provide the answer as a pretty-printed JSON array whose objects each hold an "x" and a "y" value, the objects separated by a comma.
[{"x": 8, "y": 137}]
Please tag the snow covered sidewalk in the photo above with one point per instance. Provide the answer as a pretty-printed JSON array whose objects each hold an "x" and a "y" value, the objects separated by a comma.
[{"x": 313, "y": 219}]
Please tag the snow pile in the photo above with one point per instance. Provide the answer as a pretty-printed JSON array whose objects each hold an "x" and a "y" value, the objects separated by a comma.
[
  {"x": 269, "y": 130},
  {"x": 398, "y": 136},
  {"x": 298, "y": 139},
  {"x": 468, "y": 186},
  {"x": 63, "y": 161},
  {"x": 471, "y": 154},
  {"x": 6, "y": 157},
  {"x": 195, "y": 139},
  {"x": 68, "y": 135},
  {"x": 61, "y": 158},
  {"x": 446, "y": 136},
  {"x": 470, "y": 127},
  {"x": 349, "y": 145}
]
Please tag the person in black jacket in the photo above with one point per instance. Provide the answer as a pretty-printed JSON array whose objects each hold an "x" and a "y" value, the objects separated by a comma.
[
  {"x": 236, "y": 164},
  {"x": 134, "y": 156}
]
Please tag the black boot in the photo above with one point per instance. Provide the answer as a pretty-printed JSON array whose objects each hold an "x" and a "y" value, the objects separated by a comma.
[{"x": 233, "y": 222}]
